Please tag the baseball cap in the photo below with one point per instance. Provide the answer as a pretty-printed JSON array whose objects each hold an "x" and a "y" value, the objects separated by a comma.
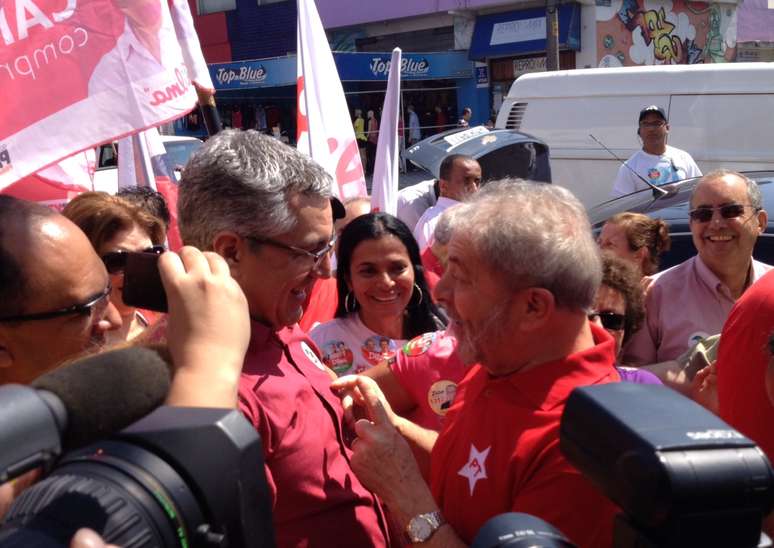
[{"x": 653, "y": 108}]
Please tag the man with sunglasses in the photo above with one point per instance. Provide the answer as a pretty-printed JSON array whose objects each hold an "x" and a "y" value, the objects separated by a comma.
[
  {"x": 657, "y": 162},
  {"x": 692, "y": 300},
  {"x": 54, "y": 292},
  {"x": 267, "y": 210}
]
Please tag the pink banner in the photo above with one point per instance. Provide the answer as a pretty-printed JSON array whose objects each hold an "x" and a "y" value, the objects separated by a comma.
[{"x": 76, "y": 73}]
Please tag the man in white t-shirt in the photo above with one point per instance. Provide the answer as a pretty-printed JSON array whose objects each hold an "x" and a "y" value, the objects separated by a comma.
[
  {"x": 657, "y": 162},
  {"x": 459, "y": 176}
]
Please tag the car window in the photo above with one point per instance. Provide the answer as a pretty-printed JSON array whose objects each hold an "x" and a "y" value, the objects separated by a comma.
[{"x": 178, "y": 153}]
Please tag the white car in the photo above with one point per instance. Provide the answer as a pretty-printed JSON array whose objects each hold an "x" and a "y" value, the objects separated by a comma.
[{"x": 179, "y": 149}]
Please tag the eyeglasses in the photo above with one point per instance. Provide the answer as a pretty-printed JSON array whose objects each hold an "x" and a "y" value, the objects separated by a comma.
[
  {"x": 84, "y": 309},
  {"x": 610, "y": 320},
  {"x": 316, "y": 256},
  {"x": 728, "y": 211},
  {"x": 650, "y": 125},
  {"x": 115, "y": 261}
]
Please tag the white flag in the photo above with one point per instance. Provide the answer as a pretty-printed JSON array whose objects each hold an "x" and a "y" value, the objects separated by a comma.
[
  {"x": 325, "y": 129},
  {"x": 384, "y": 188},
  {"x": 189, "y": 44}
]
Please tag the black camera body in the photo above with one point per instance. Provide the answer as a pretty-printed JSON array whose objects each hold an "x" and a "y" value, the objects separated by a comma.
[{"x": 180, "y": 477}]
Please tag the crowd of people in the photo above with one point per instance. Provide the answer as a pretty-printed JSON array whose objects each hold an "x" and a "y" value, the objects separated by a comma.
[{"x": 407, "y": 375}]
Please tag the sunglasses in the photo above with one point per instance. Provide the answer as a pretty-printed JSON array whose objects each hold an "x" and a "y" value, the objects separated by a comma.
[
  {"x": 82, "y": 309},
  {"x": 729, "y": 211},
  {"x": 115, "y": 261},
  {"x": 610, "y": 320},
  {"x": 316, "y": 256}
]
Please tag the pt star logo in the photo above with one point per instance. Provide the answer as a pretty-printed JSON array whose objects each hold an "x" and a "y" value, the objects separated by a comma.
[{"x": 475, "y": 468}]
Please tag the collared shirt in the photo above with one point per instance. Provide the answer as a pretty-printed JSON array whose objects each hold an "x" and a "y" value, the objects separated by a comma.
[
  {"x": 285, "y": 393},
  {"x": 429, "y": 370},
  {"x": 499, "y": 449},
  {"x": 684, "y": 304},
  {"x": 743, "y": 358},
  {"x": 423, "y": 232},
  {"x": 129, "y": 58},
  {"x": 414, "y": 200}
]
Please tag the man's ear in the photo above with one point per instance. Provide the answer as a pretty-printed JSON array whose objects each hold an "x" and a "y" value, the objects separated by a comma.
[
  {"x": 538, "y": 306},
  {"x": 763, "y": 219},
  {"x": 232, "y": 247}
]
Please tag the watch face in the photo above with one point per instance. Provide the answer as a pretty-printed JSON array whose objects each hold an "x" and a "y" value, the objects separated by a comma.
[{"x": 421, "y": 530}]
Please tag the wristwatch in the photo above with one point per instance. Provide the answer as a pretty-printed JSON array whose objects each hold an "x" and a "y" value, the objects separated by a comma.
[{"x": 422, "y": 526}]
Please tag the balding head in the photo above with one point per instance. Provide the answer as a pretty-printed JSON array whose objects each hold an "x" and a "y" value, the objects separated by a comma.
[{"x": 56, "y": 268}]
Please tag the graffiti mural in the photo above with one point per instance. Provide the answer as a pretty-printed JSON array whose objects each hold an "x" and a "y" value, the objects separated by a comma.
[{"x": 651, "y": 32}]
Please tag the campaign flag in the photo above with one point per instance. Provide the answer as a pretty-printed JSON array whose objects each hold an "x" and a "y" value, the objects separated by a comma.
[
  {"x": 189, "y": 44},
  {"x": 324, "y": 126},
  {"x": 59, "y": 183},
  {"x": 76, "y": 74},
  {"x": 384, "y": 186}
]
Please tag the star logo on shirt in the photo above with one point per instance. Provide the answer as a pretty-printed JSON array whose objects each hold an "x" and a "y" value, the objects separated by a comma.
[{"x": 475, "y": 468}]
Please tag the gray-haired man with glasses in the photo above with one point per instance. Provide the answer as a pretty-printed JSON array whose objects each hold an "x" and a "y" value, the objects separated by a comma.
[
  {"x": 691, "y": 301},
  {"x": 267, "y": 210}
]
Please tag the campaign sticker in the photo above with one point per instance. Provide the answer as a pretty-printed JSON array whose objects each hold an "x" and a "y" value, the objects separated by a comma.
[
  {"x": 338, "y": 356},
  {"x": 418, "y": 345},
  {"x": 377, "y": 349},
  {"x": 309, "y": 353},
  {"x": 441, "y": 396}
]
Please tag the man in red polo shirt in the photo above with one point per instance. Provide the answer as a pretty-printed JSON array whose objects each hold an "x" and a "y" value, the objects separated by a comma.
[
  {"x": 522, "y": 274},
  {"x": 266, "y": 209}
]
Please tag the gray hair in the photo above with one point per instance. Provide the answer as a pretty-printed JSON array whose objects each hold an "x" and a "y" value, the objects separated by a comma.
[
  {"x": 241, "y": 181},
  {"x": 753, "y": 192},
  {"x": 443, "y": 229},
  {"x": 534, "y": 235}
]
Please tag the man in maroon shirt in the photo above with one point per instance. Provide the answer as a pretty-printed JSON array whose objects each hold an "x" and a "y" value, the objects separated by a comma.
[
  {"x": 521, "y": 276},
  {"x": 266, "y": 209}
]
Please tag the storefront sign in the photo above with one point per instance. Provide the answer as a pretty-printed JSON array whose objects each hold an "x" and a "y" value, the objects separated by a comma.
[
  {"x": 279, "y": 71},
  {"x": 482, "y": 75},
  {"x": 414, "y": 66},
  {"x": 533, "y": 64},
  {"x": 357, "y": 67},
  {"x": 518, "y": 31}
]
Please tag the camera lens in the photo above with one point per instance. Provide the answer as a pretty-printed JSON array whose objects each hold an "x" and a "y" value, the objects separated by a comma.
[{"x": 129, "y": 495}]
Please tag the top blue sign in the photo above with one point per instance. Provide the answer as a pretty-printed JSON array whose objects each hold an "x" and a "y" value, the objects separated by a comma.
[{"x": 353, "y": 67}]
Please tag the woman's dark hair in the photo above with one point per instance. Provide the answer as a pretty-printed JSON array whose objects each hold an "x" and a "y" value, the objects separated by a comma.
[
  {"x": 421, "y": 316},
  {"x": 620, "y": 275}
]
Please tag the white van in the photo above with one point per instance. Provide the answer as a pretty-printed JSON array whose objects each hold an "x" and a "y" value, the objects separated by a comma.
[{"x": 722, "y": 114}]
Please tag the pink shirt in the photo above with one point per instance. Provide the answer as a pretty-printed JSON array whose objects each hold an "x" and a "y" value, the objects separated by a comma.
[
  {"x": 429, "y": 369},
  {"x": 684, "y": 304},
  {"x": 285, "y": 393}
]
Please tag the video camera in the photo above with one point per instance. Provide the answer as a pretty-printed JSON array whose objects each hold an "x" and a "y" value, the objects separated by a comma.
[
  {"x": 682, "y": 476},
  {"x": 186, "y": 477}
]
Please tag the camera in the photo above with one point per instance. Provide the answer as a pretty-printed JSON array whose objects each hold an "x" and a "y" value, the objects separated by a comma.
[{"x": 180, "y": 477}]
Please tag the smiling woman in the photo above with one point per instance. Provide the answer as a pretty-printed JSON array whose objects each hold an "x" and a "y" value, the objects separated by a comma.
[{"x": 384, "y": 299}]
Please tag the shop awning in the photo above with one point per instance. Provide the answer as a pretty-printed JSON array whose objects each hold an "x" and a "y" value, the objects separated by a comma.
[{"x": 522, "y": 32}]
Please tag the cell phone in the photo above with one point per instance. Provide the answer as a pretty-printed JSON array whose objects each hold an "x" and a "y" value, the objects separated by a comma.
[{"x": 142, "y": 282}]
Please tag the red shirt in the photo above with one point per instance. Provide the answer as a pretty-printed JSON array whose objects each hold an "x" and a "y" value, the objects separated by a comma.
[
  {"x": 285, "y": 393},
  {"x": 431, "y": 263},
  {"x": 429, "y": 369},
  {"x": 321, "y": 303},
  {"x": 742, "y": 360},
  {"x": 499, "y": 449}
]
